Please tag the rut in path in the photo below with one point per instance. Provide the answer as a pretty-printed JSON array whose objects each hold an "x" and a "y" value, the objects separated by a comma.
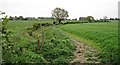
[{"x": 84, "y": 53}]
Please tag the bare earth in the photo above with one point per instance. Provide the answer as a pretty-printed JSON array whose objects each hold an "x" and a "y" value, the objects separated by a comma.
[{"x": 84, "y": 53}]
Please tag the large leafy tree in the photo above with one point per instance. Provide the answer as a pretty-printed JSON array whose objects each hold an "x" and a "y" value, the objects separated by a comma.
[
  {"x": 90, "y": 18},
  {"x": 59, "y": 14}
]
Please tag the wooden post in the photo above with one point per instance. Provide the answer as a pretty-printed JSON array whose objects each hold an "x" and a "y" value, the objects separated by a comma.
[
  {"x": 42, "y": 38},
  {"x": 38, "y": 42}
]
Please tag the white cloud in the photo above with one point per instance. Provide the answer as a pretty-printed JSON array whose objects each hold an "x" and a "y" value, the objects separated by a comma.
[{"x": 76, "y": 8}]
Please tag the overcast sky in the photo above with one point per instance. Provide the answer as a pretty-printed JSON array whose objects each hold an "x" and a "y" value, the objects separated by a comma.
[{"x": 76, "y": 8}]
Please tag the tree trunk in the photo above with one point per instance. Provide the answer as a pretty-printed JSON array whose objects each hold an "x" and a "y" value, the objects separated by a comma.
[{"x": 59, "y": 21}]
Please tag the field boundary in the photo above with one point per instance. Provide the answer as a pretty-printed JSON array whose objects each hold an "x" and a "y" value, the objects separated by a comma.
[
  {"x": 81, "y": 40},
  {"x": 82, "y": 50}
]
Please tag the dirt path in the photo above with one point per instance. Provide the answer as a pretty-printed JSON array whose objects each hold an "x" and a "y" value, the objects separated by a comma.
[{"x": 84, "y": 53}]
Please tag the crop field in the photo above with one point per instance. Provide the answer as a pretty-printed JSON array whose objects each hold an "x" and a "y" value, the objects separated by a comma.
[
  {"x": 52, "y": 32},
  {"x": 101, "y": 36},
  {"x": 58, "y": 46}
]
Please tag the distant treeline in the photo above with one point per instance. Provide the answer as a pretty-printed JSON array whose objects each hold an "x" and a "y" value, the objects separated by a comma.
[
  {"x": 39, "y": 18},
  {"x": 28, "y": 18}
]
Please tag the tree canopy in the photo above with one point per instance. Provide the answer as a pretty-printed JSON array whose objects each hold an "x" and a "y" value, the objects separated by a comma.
[
  {"x": 89, "y": 18},
  {"x": 59, "y": 14}
]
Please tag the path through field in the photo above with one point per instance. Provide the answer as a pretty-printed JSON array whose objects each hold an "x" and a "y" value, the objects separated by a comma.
[{"x": 84, "y": 53}]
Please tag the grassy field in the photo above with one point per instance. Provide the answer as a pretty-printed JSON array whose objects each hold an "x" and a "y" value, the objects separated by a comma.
[
  {"x": 102, "y": 36},
  {"x": 57, "y": 47}
]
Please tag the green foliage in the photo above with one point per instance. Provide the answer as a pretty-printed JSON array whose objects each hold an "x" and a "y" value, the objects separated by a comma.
[
  {"x": 20, "y": 18},
  {"x": 89, "y": 18},
  {"x": 59, "y": 14},
  {"x": 7, "y": 40},
  {"x": 56, "y": 45},
  {"x": 63, "y": 60}
]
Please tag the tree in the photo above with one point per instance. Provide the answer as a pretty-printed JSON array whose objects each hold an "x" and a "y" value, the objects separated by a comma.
[
  {"x": 59, "y": 14},
  {"x": 15, "y": 18},
  {"x": 111, "y": 18},
  {"x": 105, "y": 18},
  {"x": 20, "y": 17},
  {"x": 2, "y": 12},
  {"x": 10, "y": 18},
  {"x": 80, "y": 18},
  {"x": 90, "y": 18}
]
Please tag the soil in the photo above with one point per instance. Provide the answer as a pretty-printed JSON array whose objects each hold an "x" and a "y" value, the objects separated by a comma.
[{"x": 84, "y": 53}]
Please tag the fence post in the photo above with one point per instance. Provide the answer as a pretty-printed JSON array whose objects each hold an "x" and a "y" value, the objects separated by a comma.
[
  {"x": 43, "y": 38},
  {"x": 38, "y": 42}
]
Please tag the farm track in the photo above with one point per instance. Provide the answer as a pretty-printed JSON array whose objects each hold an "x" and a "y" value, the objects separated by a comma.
[{"x": 84, "y": 53}]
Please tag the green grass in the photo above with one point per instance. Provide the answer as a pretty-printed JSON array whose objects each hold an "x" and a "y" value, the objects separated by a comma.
[
  {"x": 102, "y": 36},
  {"x": 56, "y": 49},
  {"x": 22, "y": 24}
]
